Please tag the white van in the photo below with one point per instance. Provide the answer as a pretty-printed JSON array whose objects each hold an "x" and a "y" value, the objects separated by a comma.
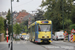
[{"x": 58, "y": 35}]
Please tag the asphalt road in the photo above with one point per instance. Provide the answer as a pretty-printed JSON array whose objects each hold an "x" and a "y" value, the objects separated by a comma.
[{"x": 27, "y": 45}]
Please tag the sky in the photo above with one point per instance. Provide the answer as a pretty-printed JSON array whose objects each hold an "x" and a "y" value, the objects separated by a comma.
[{"x": 28, "y": 5}]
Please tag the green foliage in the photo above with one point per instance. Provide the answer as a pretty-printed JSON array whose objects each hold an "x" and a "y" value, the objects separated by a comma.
[
  {"x": 8, "y": 18},
  {"x": 72, "y": 26},
  {"x": 1, "y": 25},
  {"x": 73, "y": 14},
  {"x": 17, "y": 28},
  {"x": 23, "y": 24},
  {"x": 17, "y": 39},
  {"x": 67, "y": 22},
  {"x": 26, "y": 29},
  {"x": 39, "y": 15},
  {"x": 54, "y": 12}
]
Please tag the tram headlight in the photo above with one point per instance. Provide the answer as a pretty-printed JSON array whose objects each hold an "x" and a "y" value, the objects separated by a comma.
[
  {"x": 42, "y": 36},
  {"x": 47, "y": 36}
]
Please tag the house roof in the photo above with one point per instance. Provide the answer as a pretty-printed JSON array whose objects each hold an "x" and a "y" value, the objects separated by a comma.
[{"x": 22, "y": 14}]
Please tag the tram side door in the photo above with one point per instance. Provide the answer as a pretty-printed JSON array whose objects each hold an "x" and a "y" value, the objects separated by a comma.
[{"x": 36, "y": 34}]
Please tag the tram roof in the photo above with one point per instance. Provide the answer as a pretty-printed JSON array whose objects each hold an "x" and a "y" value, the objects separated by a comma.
[{"x": 39, "y": 22}]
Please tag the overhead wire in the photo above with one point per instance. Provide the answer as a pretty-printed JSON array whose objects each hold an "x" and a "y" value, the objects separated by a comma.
[{"x": 23, "y": 3}]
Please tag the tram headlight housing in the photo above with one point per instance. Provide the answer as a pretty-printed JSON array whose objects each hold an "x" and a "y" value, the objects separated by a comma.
[
  {"x": 47, "y": 36},
  {"x": 43, "y": 37}
]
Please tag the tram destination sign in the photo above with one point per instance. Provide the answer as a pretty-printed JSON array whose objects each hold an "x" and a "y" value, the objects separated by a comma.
[{"x": 44, "y": 22}]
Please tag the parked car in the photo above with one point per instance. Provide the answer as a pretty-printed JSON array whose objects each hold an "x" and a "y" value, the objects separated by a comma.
[
  {"x": 53, "y": 36},
  {"x": 23, "y": 37},
  {"x": 58, "y": 35}
]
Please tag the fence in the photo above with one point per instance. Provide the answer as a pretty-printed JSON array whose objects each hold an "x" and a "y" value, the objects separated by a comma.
[{"x": 1, "y": 37}]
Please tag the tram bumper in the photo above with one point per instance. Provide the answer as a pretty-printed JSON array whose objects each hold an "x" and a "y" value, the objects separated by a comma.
[
  {"x": 43, "y": 40},
  {"x": 46, "y": 40}
]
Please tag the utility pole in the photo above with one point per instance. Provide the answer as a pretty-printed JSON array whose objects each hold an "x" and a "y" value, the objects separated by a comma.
[
  {"x": 12, "y": 26},
  {"x": 12, "y": 29}
]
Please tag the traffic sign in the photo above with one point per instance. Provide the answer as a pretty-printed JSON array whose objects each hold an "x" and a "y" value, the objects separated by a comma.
[
  {"x": 72, "y": 31},
  {"x": 7, "y": 32},
  {"x": 7, "y": 38},
  {"x": 7, "y": 35}
]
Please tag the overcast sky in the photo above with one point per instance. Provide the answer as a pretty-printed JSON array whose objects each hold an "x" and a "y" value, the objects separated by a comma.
[{"x": 28, "y": 5}]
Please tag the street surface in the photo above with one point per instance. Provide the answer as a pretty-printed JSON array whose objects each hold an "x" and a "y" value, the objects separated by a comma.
[{"x": 27, "y": 45}]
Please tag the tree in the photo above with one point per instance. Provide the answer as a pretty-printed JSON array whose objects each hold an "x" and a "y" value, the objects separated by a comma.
[
  {"x": 73, "y": 15},
  {"x": 8, "y": 17},
  {"x": 23, "y": 24},
  {"x": 1, "y": 25},
  {"x": 17, "y": 28},
  {"x": 39, "y": 15},
  {"x": 54, "y": 12},
  {"x": 72, "y": 26},
  {"x": 26, "y": 29}
]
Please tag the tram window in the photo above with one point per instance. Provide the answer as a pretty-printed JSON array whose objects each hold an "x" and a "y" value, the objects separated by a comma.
[
  {"x": 44, "y": 28},
  {"x": 39, "y": 28}
]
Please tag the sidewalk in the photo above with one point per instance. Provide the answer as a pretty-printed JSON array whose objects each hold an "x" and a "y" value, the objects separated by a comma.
[{"x": 4, "y": 42}]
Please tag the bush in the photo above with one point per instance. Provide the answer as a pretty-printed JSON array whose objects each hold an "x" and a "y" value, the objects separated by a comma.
[
  {"x": 17, "y": 39},
  {"x": 72, "y": 26}
]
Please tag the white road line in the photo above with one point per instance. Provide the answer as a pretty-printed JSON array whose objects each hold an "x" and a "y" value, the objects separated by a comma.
[
  {"x": 58, "y": 41},
  {"x": 62, "y": 47}
]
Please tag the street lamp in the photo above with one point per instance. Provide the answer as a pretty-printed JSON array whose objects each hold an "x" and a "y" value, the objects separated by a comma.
[{"x": 12, "y": 26}]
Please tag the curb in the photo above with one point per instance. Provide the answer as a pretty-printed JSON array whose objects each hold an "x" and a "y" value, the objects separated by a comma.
[{"x": 69, "y": 41}]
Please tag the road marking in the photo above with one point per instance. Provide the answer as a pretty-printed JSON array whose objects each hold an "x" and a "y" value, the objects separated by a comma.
[
  {"x": 62, "y": 47},
  {"x": 58, "y": 41}
]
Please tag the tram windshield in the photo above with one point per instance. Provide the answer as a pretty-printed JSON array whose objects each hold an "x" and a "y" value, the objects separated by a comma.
[{"x": 44, "y": 27}]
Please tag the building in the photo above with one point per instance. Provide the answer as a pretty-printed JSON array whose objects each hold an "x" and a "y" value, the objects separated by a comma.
[
  {"x": 15, "y": 14},
  {"x": 23, "y": 16},
  {"x": 3, "y": 14},
  {"x": 20, "y": 16}
]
